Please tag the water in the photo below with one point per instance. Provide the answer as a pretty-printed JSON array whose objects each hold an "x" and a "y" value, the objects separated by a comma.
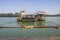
[{"x": 24, "y": 32}]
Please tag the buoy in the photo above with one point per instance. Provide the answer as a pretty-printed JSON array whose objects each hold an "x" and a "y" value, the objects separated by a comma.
[
  {"x": 58, "y": 27},
  {"x": 28, "y": 27}
]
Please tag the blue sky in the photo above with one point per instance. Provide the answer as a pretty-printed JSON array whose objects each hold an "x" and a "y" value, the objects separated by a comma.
[{"x": 49, "y": 6}]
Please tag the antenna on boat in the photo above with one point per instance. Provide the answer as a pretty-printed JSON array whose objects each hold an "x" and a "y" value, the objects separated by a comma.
[
  {"x": 22, "y": 8},
  {"x": 21, "y": 12}
]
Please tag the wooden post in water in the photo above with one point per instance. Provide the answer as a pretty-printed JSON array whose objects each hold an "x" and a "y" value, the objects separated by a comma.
[{"x": 57, "y": 27}]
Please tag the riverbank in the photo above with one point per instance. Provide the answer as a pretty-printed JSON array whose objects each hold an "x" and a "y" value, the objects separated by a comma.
[{"x": 32, "y": 38}]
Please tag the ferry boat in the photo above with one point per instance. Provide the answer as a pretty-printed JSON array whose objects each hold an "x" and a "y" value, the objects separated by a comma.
[{"x": 30, "y": 18}]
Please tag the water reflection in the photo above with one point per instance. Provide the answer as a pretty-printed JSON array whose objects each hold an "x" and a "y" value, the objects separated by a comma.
[{"x": 38, "y": 23}]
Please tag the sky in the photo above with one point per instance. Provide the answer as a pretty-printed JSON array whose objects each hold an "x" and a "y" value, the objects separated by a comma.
[{"x": 31, "y": 6}]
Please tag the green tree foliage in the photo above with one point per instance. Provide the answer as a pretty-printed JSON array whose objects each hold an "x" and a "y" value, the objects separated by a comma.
[{"x": 9, "y": 14}]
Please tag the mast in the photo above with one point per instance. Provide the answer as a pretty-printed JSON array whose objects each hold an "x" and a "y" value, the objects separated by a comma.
[{"x": 21, "y": 12}]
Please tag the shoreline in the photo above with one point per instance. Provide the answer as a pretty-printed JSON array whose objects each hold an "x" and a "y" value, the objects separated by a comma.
[{"x": 32, "y": 38}]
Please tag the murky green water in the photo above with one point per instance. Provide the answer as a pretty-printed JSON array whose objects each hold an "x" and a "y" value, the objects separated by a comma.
[{"x": 23, "y": 32}]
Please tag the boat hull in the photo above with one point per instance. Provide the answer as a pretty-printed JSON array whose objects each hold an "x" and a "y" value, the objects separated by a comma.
[{"x": 30, "y": 20}]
